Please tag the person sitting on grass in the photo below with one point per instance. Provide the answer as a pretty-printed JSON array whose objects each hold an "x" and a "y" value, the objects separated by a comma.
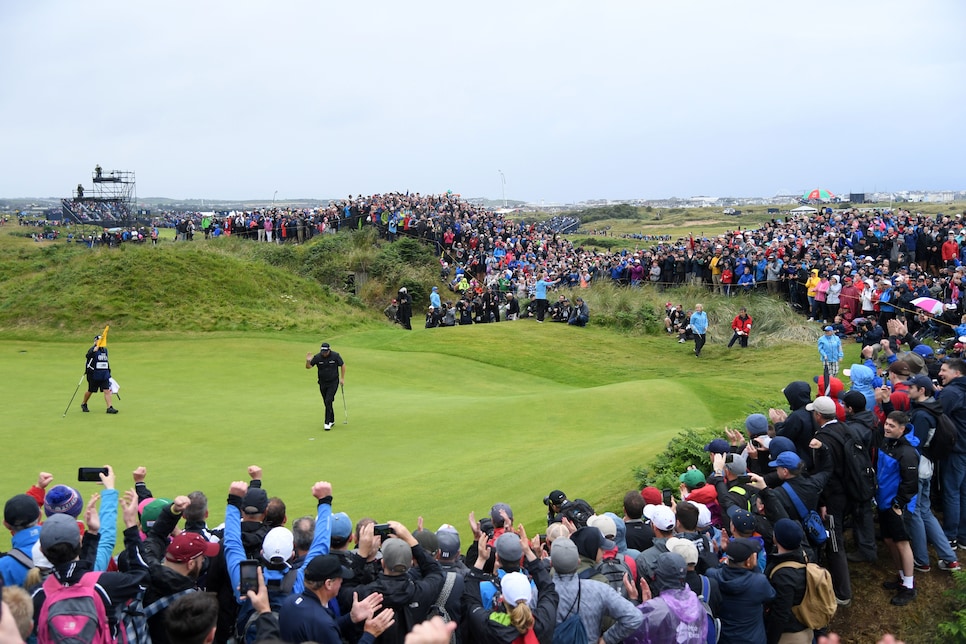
[{"x": 580, "y": 313}]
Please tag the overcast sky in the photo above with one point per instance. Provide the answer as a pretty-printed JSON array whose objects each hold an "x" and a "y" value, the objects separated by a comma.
[{"x": 571, "y": 100}]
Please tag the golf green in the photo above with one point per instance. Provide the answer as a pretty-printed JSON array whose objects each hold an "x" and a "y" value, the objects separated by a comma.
[{"x": 440, "y": 422}]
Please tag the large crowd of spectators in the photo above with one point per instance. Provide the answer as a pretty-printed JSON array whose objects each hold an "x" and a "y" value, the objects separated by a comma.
[
  {"x": 88, "y": 211},
  {"x": 724, "y": 555}
]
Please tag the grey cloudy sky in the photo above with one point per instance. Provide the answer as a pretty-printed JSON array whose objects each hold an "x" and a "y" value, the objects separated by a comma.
[{"x": 571, "y": 100}]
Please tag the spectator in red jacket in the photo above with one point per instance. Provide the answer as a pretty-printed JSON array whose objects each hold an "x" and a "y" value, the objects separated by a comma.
[{"x": 741, "y": 326}]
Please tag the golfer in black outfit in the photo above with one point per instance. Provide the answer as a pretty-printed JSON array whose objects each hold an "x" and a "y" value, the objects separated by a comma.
[{"x": 331, "y": 375}]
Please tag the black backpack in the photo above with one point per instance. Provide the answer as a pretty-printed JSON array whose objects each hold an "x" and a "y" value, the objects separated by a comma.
[
  {"x": 859, "y": 475},
  {"x": 613, "y": 569},
  {"x": 941, "y": 439}
]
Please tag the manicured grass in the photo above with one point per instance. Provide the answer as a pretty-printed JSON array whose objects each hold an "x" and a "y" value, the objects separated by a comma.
[{"x": 441, "y": 421}]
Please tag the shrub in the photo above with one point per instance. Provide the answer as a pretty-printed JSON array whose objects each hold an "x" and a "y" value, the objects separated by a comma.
[
  {"x": 685, "y": 449},
  {"x": 955, "y": 628}
]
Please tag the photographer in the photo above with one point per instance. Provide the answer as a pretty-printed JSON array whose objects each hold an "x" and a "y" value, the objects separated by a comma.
[{"x": 554, "y": 502}]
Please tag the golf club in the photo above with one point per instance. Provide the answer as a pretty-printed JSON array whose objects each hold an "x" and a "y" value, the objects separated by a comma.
[
  {"x": 76, "y": 389},
  {"x": 344, "y": 408}
]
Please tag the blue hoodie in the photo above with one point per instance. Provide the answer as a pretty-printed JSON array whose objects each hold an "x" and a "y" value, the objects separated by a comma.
[{"x": 863, "y": 381}]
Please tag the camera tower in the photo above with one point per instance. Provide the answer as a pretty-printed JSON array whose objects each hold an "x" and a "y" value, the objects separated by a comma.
[{"x": 111, "y": 201}]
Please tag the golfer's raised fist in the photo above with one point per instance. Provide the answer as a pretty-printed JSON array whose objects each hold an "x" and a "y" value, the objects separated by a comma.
[{"x": 322, "y": 489}]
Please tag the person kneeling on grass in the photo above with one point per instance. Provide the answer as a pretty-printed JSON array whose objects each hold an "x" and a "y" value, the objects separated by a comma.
[{"x": 580, "y": 313}]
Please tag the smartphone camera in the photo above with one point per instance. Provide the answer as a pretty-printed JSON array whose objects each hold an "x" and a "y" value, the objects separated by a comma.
[
  {"x": 382, "y": 530},
  {"x": 666, "y": 496},
  {"x": 248, "y": 570},
  {"x": 91, "y": 474}
]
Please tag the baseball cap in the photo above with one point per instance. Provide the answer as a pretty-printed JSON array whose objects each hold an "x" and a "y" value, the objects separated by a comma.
[
  {"x": 449, "y": 543},
  {"x": 740, "y": 549},
  {"x": 923, "y": 350},
  {"x": 497, "y": 517},
  {"x": 828, "y": 328},
  {"x": 780, "y": 444},
  {"x": 823, "y": 405},
  {"x": 692, "y": 478},
  {"x": 923, "y": 382},
  {"x": 397, "y": 555},
  {"x": 605, "y": 524},
  {"x": 564, "y": 556},
  {"x": 684, "y": 547},
  {"x": 744, "y": 521},
  {"x": 20, "y": 511},
  {"x": 255, "y": 501},
  {"x": 151, "y": 510},
  {"x": 756, "y": 424},
  {"x": 515, "y": 587},
  {"x": 789, "y": 460},
  {"x": 900, "y": 368},
  {"x": 427, "y": 539},
  {"x": 278, "y": 546},
  {"x": 557, "y": 497},
  {"x": 508, "y": 547},
  {"x": 59, "y": 528},
  {"x": 340, "y": 525},
  {"x": 736, "y": 464},
  {"x": 325, "y": 346},
  {"x": 327, "y": 567},
  {"x": 188, "y": 545},
  {"x": 662, "y": 518},
  {"x": 718, "y": 446}
]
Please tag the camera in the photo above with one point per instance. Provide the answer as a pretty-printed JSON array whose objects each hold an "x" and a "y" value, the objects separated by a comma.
[
  {"x": 91, "y": 474},
  {"x": 577, "y": 511},
  {"x": 248, "y": 571},
  {"x": 486, "y": 527},
  {"x": 382, "y": 530}
]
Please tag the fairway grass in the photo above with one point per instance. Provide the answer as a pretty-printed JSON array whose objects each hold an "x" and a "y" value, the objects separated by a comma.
[{"x": 440, "y": 421}]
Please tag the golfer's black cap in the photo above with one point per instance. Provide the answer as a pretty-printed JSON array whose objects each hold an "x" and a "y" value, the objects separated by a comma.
[{"x": 325, "y": 346}]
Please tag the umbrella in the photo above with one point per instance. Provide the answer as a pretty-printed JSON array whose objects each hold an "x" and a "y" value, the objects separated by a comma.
[
  {"x": 819, "y": 194},
  {"x": 928, "y": 304}
]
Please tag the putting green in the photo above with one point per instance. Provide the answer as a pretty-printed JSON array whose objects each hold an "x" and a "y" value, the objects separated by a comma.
[{"x": 429, "y": 432}]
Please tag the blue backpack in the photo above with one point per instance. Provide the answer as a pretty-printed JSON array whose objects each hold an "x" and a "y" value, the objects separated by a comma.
[
  {"x": 714, "y": 624},
  {"x": 571, "y": 630}
]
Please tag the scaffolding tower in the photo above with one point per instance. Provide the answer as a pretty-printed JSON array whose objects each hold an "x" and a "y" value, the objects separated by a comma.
[{"x": 111, "y": 201}]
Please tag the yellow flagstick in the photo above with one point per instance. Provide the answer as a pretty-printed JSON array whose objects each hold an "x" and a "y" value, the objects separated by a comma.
[{"x": 103, "y": 341}]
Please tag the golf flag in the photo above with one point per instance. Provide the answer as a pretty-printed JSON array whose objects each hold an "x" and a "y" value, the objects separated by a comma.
[{"x": 103, "y": 341}]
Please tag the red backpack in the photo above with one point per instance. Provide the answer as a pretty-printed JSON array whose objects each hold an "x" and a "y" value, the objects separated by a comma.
[{"x": 73, "y": 614}]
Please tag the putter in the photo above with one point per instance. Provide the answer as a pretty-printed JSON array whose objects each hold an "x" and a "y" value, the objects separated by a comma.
[
  {"x": 344, "y": 408},
  {"x": 76, "y": 389}
]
